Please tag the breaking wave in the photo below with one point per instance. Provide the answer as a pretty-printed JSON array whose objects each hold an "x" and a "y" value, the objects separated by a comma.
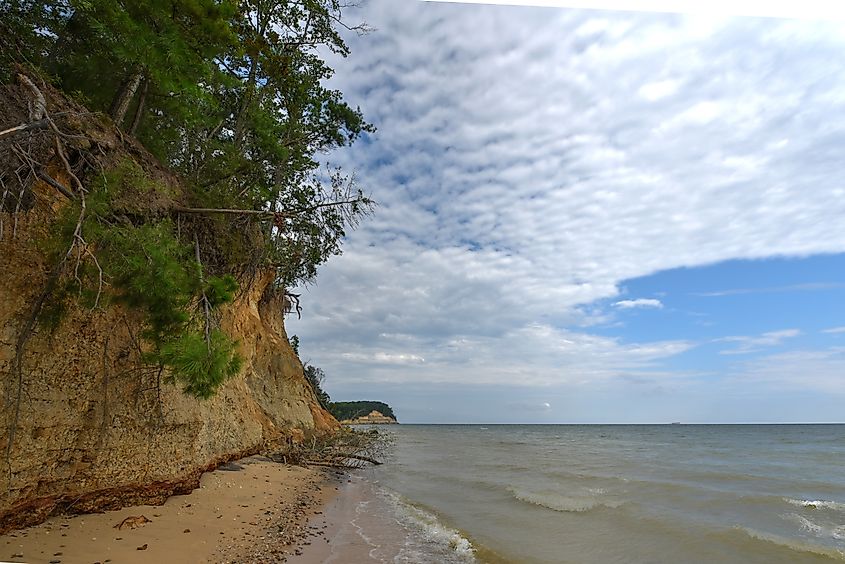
[
  {"x": 430, "y": 538},
  {"x": 793, "y": 544},
  {"x": 817, "y": 504},
  {"x": 567, "y": 504}
]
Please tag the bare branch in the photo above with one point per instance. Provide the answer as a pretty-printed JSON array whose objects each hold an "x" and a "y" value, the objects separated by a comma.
[
  {"x": 39, "y": 104},
  {"x": 40, "y": 124},
  {"x": 55, "y": 184}
]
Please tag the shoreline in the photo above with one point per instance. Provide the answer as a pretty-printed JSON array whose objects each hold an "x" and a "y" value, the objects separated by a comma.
[
  {"x": 365, "y": 523},
  {"x": 250, "y": 510}
]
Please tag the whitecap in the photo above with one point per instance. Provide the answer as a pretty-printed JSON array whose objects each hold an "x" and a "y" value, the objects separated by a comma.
[
  {"x": 821, "y": 530},
  {"x": 817, "y": 504}
]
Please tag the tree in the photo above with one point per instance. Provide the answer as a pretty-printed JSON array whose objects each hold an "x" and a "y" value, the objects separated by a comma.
[
  {"x": 315, "y": 378},
  {"x": 351, "y": 409},
  {"x": 229, "y": 95}
]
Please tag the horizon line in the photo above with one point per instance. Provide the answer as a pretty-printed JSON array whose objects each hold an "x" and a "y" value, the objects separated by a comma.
[{"x": 670, "y": 423}]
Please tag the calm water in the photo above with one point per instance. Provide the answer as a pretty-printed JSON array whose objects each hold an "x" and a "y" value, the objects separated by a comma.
[{"x": 593, "y": 493}]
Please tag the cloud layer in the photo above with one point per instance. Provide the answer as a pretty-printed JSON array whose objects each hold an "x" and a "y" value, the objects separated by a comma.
[{"x": 528, "y": 161}]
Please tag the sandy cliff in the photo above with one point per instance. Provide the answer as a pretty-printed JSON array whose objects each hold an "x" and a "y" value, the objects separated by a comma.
[{"x": 90, "y": 431}]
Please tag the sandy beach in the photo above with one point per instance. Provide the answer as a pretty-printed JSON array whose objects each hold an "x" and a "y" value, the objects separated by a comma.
[{"x": 253, "y": 510}]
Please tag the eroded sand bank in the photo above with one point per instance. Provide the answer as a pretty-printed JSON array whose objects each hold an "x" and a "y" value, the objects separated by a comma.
[{"x": 250, "y": 511}]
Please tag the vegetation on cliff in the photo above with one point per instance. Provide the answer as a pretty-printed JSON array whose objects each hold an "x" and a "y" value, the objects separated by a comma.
[
  {"x": 315, "y": 377},
  {"x": 231, "y": 98},
  {"x": 341, "y": 410}
]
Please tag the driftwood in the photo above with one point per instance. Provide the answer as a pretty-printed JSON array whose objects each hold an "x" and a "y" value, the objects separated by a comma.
[{"x": 346, "y": 449}]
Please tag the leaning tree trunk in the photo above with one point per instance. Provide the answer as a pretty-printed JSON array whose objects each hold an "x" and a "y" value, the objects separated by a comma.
[
  {"x": 124, "y": 96},
  {"x": 139, "y": 110}
]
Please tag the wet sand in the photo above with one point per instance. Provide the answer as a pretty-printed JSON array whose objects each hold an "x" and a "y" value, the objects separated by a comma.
[
  {"x": 354, "y": 529},
  {"x": 250, "y": 511}
]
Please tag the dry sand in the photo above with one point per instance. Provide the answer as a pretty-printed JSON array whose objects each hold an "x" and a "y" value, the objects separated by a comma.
[{"x": 252, "y": 511}]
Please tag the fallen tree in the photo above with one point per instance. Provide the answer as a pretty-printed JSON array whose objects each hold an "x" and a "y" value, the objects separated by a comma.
[{"x": 346, "y": 449}]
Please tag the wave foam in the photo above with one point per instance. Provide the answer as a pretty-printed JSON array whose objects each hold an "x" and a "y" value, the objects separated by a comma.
[
  {"x": 817, "y": 529},
  {"x": 794, "y": 545},
  {"x": 817, "y": 504},
  {"x": 432, "y": 531}
]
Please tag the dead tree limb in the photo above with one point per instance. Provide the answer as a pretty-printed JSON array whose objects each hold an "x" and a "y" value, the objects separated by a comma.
[
  {"x": 362, "y": 458},
  {"x": 24, "y": 127},
  {"x": 38, "y": 106},
  {"x": 270, "y": 213},
  {"x": 55, "y": 184},
  {"x": 227, "y": 211},
  {"x": 293, "y": 304}
]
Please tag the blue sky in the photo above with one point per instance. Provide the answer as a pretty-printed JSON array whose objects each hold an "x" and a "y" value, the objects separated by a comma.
[{"x": 590, "y": 216}]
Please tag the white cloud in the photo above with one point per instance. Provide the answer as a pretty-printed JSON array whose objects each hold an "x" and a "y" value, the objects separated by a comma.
[
  {"x": 753, "y": 344},
  {"x": 816, "y": 370},
  {"x": 522, "y": 175},
  {"x": 809, "y": 9},
  {"x": 639, "y": 303},
  {"x": 808, "y": 287},
  {"x": 654, "y": 91},
  {"x": 834, "y": 330}
]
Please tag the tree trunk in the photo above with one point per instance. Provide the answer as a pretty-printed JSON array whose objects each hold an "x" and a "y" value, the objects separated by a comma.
[
  {"x": 124, "y": 96},
  {"x": 139, "y": 111},
  {"x": 240, "y": 120}
]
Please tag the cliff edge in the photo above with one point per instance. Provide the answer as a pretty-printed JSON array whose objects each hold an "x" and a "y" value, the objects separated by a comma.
[{"x": 84, "y": 428}]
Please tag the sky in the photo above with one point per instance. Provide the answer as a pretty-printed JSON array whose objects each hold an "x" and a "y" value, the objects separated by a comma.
[{"x": 589, "y": 216}]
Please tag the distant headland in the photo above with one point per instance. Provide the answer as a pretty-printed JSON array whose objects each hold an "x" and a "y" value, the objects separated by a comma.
[
  {"x": 362, "y": 412},
  {"x": 372, "y": 418}
]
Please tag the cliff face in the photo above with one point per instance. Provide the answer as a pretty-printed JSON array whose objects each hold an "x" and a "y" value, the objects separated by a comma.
[{"x": 84, "y": 429}]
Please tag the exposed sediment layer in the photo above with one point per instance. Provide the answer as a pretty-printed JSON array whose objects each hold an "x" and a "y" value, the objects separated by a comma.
[
  {"x": 83, "y": 428},
  {"x": 252, "y": 510}
]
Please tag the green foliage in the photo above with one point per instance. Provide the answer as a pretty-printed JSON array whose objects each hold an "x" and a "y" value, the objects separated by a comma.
[
  {"x": 351, "y": 409},
  {"x": 232, "y": 96},
  {"x": 315, "y": 377},
  {"x": 294, "y": 344},
  {"x": 220, "y": 290},
  {"x": 234, "y": 100},
  {"x": 146, "y": 267},
  {"x": 27, "y": 28},
  {"x": 200, "y": 365}
]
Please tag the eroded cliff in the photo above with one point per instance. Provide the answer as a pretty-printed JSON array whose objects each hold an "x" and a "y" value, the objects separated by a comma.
[{"x": 84, "y": 428}]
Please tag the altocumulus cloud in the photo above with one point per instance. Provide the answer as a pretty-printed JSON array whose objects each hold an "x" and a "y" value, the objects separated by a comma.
[{"x": 530, "y": 160}]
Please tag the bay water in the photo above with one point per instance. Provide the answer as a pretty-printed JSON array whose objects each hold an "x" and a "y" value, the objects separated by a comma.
[{"x": 606, "y": 494}]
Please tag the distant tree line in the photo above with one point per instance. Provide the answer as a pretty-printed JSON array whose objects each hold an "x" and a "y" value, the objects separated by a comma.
[{"x": 352, "y": 409}]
